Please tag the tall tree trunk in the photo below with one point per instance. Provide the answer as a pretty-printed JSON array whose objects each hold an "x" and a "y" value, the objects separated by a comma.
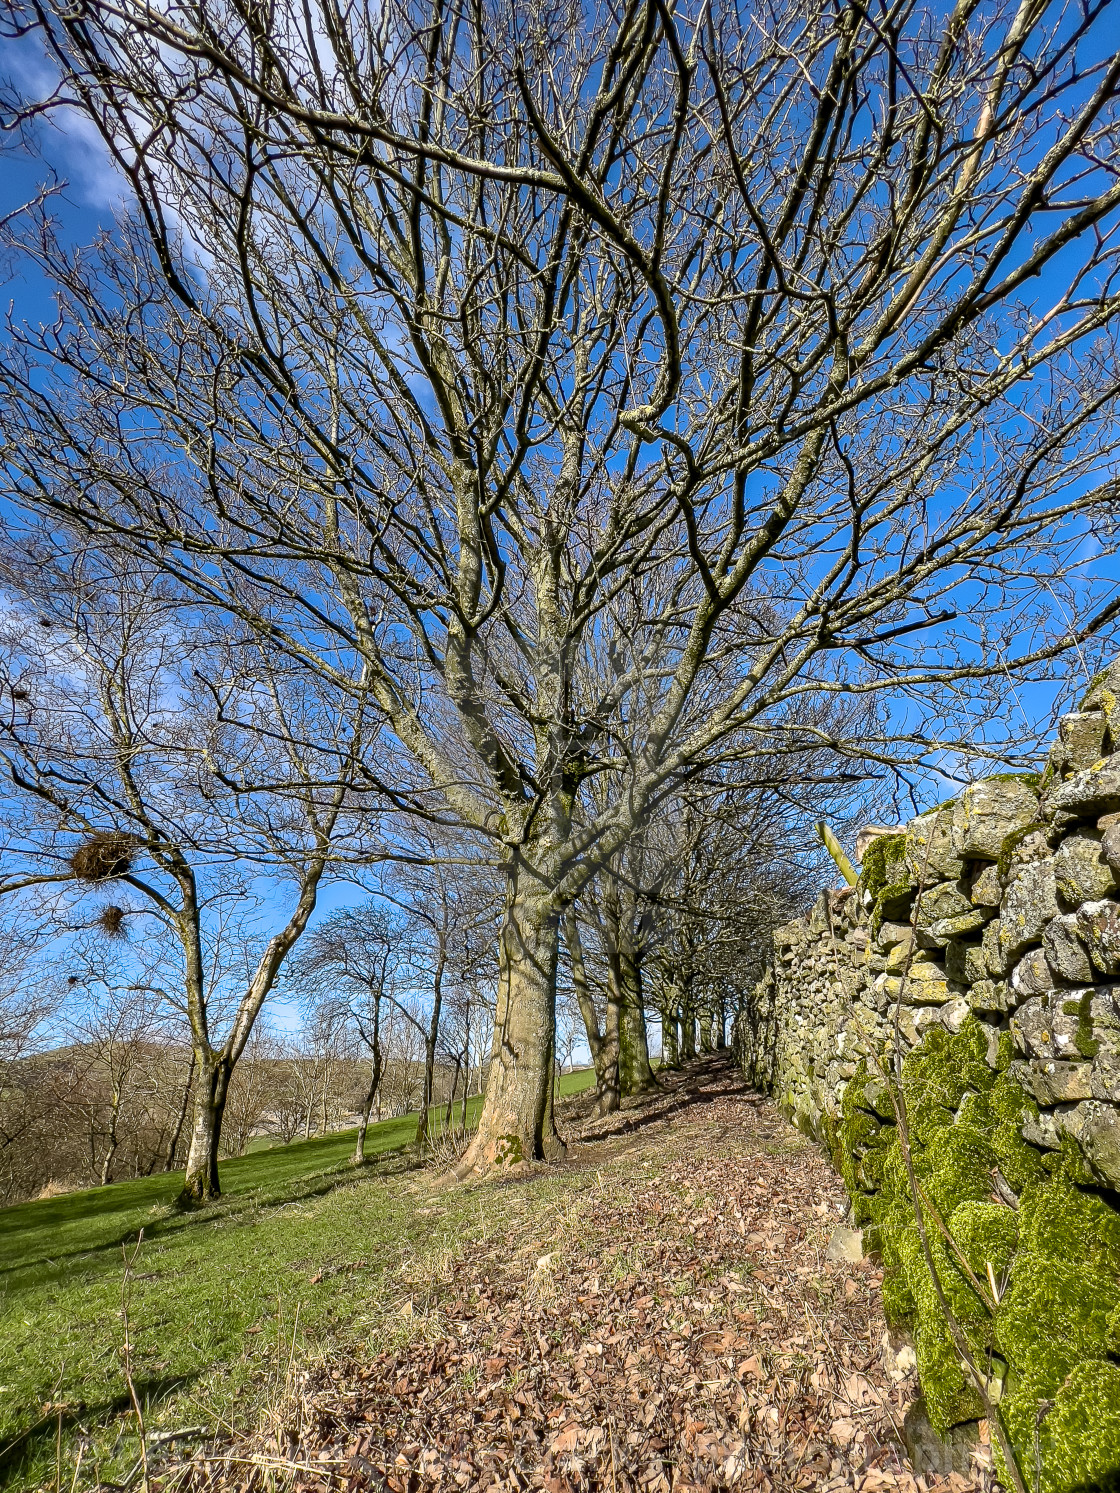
[
  {"x": 634, "y": 1070},
  {"x": 706, "y": 1033},
  {"x": 604, "y": 1045},
  {"x": 200, "y": 1184},
  {"x": 688, "y": 1030},
  {"x": 359, "y": 1156},
  {"x": 609, "y": 1085},
  {"x": 670, "y": 1045},
  {"x": 454, "y": 1087},
  {"x": 430, "y": 1039},
  {"x": 181, "y": 1118},
  {"x": 516, "y": 1121},
  {"x": 114, "y": 1118}
]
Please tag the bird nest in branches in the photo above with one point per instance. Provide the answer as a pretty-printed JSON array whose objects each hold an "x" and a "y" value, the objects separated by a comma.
[
  {"x": 104, "y": 856},
  {"x": 111, "y": 921}
]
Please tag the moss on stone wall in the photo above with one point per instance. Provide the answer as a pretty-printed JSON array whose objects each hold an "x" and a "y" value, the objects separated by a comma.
[
  {"x": 884, "y": 861},
  {"x": 1048, "y": 1334}
]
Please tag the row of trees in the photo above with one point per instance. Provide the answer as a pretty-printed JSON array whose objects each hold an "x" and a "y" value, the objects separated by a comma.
[{"x": 529, "y": 435}]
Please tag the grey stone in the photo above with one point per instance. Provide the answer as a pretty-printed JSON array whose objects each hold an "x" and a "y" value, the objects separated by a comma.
[
  {"x": 929, "y": 848},
  {"x": 1095, "y": 1126},
  {"x": 1026, "y": 851},
  {"x": 1032, "y": 976},
  {"x": 985, "y": 814},
  {"x": 1105, "y": 1082},
  {"x": 1065, "y": 953},
  {"x": 1029, "y": 904},
  {"x": 1110, "y": 840},
  {"x": 965, "y": 962},
  {"x": 948, "y": 899},
  {"x": 913, "y": 1022},
  {"x": 954, "y": 1013},
  {"x": 1098, "y": 923},
  {"x": 1042, "y": 1130},
  {"x": 931, "y": 1453},
  {"x": 891, "y": 934},
  {"x": 986, "y": 890},
  {"x": 919, "y": 991},
  {"x": 1051, "y": 1082},
  {"x": 845, "y": 1245},
  {"x": 990, "y": 995},
  {"x": 1104, "y": 692},
  {"x": 1080, "y": 743},
  {"x": 898, "y": 954},
  {"x": 992, "y": 952},
  {"x": 1094, "y": 791},
  {"x": 1043, "y": 1028},
  {"x": 1081, "y": 873},
  {"x": 964, "y": 923}
]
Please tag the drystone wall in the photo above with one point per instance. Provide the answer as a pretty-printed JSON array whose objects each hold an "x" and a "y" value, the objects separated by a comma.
[{"x": 980, "y": 949}]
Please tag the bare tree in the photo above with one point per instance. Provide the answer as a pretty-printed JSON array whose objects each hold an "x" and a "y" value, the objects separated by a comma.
[
  {"x": 444, "y": 901},
  {"x": 436, "y": 332},
  {"x": 130, "y": 741},
  {"x": 252, "y": 1087},
  {"x": 31, "y": 992},
  {"x": 112, "y": 1024},
  {"x": 346, "y": 973}
]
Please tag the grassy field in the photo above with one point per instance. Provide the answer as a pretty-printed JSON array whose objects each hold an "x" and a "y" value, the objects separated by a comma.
[{"x": 213, "y": 1294}]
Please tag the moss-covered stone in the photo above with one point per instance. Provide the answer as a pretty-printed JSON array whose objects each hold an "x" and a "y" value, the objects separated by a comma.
[
  {"x": 891, "y": 905},
  {"x": 1054, "y": 1263},
  {"x": 884, "y": 863}
]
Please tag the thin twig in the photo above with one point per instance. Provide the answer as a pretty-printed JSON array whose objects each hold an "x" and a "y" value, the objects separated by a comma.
[{"x": 126, "y": 1291}]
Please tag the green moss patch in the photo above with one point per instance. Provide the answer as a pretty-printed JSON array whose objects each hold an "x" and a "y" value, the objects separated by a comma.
[
  {"x": 884, "y": 862},
  {"x": 1046, "y": 1317}
]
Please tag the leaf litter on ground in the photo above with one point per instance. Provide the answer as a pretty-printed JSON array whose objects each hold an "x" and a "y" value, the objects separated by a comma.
[{"x": 671, "y": 1322}]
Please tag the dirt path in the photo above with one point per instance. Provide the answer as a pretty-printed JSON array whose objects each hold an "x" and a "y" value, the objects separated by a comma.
[{"x": 668, "y": 1319}]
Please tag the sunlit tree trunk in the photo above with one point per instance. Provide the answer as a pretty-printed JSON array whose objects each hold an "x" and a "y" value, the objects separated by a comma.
[
  {"x": 516, "y": 1122},
  {"x": 200, "y": 1184},
  {"x": 670, "y": 1041}
]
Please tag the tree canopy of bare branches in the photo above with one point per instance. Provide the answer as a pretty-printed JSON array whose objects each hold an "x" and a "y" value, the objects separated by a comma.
[{"x": 592, "y": 385}]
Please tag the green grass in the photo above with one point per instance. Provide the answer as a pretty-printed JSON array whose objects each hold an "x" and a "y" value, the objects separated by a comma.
[{"x": 214, "y": 1294}]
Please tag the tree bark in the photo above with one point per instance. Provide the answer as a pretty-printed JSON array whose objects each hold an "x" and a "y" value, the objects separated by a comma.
[
  {"x": 721, "y": 1026},
  {"x": 706, "y": 1033},
  {"x": 200, "y": 1184},
  {"x": 359, "y": 1156},
  {"x": 454, "y": 1087},
  {"x": 670, "y": 1045},
  {"x": 609, "y": 1085},
  {"x": 688, "y": 1031},
  {"x": 431, "y": 1037},
  {"x": 181, "y": 1118},
  {"x": 114, "y": 1117},
  {"x": 582, "y": 988},
  {"x": 516, "y": 1122},
  {"x": 634, "y": 1070}
]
